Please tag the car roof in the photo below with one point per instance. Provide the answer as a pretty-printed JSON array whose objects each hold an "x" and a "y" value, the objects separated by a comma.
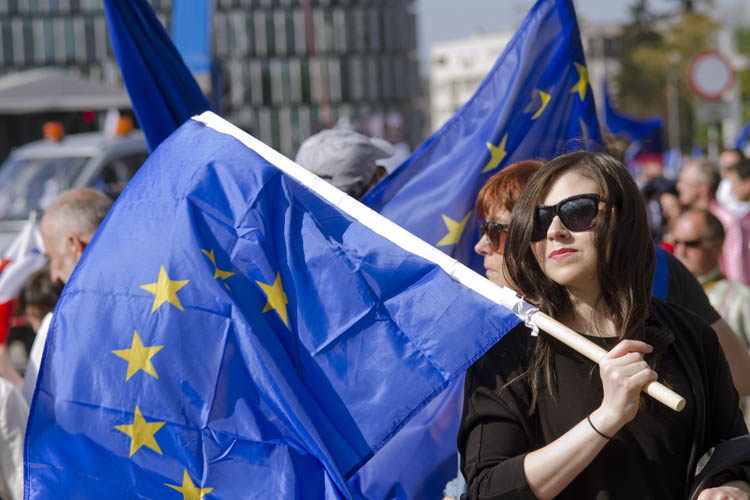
[{"x": 81, "y": 145}]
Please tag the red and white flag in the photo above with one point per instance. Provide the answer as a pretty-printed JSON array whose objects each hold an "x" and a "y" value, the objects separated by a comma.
[{"x": 24, "y": 256}]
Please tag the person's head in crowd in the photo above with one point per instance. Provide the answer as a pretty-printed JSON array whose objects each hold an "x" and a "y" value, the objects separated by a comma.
[
  {"x": 729, "y": 158},
  {"x": 38, "y": 297},
  {"x": 670, "y": 208},
  {"x": 652, "y": 169},
  {"x": 698, "y": 236},
  {"x": 697, "y": 184},
  {"x": 494, "y": 205},
  {"x": 739, "y": 173},
  {"x": 579, "y": 234},
  {"x": 345, "y": 158},
  {"x": 614, "y": 145},
  {"x": 68, "y": 225}
]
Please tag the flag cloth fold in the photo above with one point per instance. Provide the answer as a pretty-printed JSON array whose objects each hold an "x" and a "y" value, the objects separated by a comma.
[
  {"x": 162, "y": 89},
  {"x": 230, "y": 332},
  {"x": 535, "y": 103}
]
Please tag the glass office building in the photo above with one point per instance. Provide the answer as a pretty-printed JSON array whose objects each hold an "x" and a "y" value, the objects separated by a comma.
[{"x": 286, "y": 68}]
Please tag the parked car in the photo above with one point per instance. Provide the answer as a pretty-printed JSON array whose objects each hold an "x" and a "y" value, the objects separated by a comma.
[{"x": 35, "y": 173}]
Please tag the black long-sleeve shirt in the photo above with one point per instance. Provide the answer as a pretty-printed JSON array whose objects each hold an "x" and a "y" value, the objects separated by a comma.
[{"x": 653, "y": 456}]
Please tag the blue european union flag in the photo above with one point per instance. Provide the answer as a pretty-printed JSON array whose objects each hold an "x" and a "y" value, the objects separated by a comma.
[
  {"x": 231, "y": 333},
  {"x": 162, "y": 89},
  {"x": 645, "y": 135},
  {"x": 534, "y": 101},
  {"x": 632, "y": 129}
]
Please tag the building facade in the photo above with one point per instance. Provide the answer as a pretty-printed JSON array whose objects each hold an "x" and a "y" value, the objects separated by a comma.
[
  {"x": 457, "y": 67},
  {"x": 284, "y": 68}
]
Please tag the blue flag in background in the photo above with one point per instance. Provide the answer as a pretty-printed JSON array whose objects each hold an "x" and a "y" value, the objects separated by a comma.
[
  {"x": 632, "y": 129},
  {"x": 534, "y": 101},
  {"x": 645, "y": 136},
  {"x": 162, "y": 89},
  {"x": 229, "y": 332},
  {"x": 743, "y": 137}
]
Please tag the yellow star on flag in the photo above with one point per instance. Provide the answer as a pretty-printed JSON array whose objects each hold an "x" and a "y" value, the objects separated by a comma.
[
  {"x": 138, "y": 357},
  {"x": 583, "y": 81},
  {"x": 188, "y": 489},
  {"x": 276, "y": 298},
  {"x": 497, "y": 153},
  {"x": 545, "y": 97},
  {"x": 455, "y": 230},
  {"x": 218, "y": 273},
  {"x": 141, "y": 433},
  {"x": 165, "y": 290}
]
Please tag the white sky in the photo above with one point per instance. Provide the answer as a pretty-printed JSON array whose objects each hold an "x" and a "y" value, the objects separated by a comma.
[{"x": 439, "y": 20}]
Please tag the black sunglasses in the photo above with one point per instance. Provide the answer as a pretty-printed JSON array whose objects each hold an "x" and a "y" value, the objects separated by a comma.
[
  {"x": 577, "y": 213},
  {"x": 495, "y": 232}
]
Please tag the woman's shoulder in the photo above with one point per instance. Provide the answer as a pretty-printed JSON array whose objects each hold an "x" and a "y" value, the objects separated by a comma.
[{"x": 686, "y": 325}]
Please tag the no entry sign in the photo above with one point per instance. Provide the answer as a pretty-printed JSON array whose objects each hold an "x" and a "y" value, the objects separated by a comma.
[{"x": 711, "y": 75}]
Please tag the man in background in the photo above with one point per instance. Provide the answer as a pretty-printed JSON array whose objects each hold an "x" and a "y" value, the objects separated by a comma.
[
  {"x": 345, "y": 158},
  {"x": 697, "y": 187},
  {"x": 728, "y": 159},
  {"x": 698, "y": 238}
]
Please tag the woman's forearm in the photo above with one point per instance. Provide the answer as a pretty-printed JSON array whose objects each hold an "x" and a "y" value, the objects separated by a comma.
[{"x": 550, "y": 469}]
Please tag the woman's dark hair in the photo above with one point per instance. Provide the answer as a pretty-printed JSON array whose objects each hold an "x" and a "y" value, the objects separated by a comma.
[{"x": 622, "y": 237}]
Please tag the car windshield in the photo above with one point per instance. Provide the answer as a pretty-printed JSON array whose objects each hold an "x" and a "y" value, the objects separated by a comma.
[{"x": 31, "y": 184}]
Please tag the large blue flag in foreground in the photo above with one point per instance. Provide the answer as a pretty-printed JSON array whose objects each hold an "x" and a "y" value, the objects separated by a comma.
[
  {"x": 233, "y": 333},
  {"x": 531, "y": 105},
  {"x": 162, "y": 89}
]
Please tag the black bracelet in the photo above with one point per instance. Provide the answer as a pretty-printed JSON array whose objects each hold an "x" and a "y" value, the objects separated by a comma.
[{"x": 588, "y": 417}]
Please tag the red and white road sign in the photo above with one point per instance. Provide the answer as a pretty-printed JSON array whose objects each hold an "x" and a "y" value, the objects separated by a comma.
[{"x": 711, "y": 75}]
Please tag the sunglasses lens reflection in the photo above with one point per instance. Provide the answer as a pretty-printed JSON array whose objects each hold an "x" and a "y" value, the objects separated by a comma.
[{"x": 576, "y": 214}]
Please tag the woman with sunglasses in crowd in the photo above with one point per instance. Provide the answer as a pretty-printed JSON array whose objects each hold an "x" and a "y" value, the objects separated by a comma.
[{"x": 539, "y": 420}]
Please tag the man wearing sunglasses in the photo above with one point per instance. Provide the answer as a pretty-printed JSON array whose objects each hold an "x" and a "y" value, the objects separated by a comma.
[
  {"x": 697, "y": 187},
  {"x": 699, "y": 236}
]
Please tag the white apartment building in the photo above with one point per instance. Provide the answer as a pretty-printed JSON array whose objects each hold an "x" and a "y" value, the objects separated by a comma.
[{"x": 457, "y": 67}]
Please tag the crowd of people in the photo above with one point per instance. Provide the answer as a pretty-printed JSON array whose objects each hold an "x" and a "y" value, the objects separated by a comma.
[{"x": 579, "y": 240}]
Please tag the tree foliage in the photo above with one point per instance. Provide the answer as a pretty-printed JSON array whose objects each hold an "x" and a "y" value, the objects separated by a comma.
[{"x": 652, "y": 45}]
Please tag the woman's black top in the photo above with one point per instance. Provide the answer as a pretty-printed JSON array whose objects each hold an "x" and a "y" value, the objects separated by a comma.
[{"x": 653, "y": 456}]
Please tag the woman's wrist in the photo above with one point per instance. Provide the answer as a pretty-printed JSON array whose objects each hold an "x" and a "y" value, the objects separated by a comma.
[{"x": 605, "y": 422}]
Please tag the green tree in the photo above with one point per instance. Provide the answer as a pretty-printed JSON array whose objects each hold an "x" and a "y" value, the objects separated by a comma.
[{"x": 645, "y": 62}]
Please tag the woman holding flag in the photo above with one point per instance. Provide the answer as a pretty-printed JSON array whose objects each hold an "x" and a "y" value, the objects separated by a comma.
[{"x": 538, "y": 421}]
